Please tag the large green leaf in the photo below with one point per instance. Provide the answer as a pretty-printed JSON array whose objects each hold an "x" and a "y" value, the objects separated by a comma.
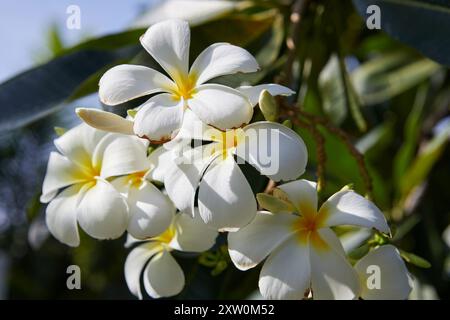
[
  {"x": 422, "y": 24},
  {"x": 44, "y": 89},
  {"x": 391, "y": 74},
  {"x": 418, "y": 172}
]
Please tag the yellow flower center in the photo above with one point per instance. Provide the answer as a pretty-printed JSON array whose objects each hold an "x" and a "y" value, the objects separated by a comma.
[
  {"x": 307, "y": 227},
  {"x": 225, "y": 141},
  {"x": 185, "y": 87},
  {"x": 135, "y": 180},
  {"x": 165, "y": 237},
  {"x": 89, "y": 172}
]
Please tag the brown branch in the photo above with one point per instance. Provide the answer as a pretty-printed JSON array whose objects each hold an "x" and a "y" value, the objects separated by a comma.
[
  {"x": 270, "y": 186},
  {"x": 343, "y": 136},
  {"x": 298, "y": 9},
  {"x": 320, "y": 142}
]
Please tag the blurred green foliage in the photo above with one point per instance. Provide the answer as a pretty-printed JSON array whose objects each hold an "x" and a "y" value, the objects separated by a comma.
[{"x": 371, "y": 110}]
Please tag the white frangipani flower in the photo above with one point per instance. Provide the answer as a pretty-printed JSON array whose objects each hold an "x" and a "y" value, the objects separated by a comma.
[
  {"x": 383, "y": 275},
  {"x": 225, "y": 197},
  {"x": 162, "y": 275},
  {"x": 161, "y": 116},
  {"x": 88, "y": 160},
  {"x": 302, "y": 251}
]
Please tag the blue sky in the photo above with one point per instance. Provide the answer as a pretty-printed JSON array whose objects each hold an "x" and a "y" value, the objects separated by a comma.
[{"x": 24, "y": 23}]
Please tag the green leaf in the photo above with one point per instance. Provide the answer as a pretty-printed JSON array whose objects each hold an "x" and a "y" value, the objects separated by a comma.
[
  {"x": 412, "y": 131},
  {"x": 264, "y": 44},
  {"x": 415, "y": 259},
  {"x": 423, "y": 163},
  {"x": 359, "y": 252},
  {"x": 274, "y": 204},
  {"x": 332, "y": 91},
  {"x": 384, "y": 77},
  {"x": 60, "y": 131},
  {"x": 338, "y": 94},
  {"x": 421, "y": 24},
  {"x": 43, "y": 90},
  {"x": 268, "y": 106},
  {"x": 287, "y": 123},
  {"x": 341, "y": 167}
]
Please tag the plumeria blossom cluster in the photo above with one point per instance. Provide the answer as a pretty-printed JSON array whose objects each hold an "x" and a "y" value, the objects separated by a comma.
[{"x": 108, "y": 178}]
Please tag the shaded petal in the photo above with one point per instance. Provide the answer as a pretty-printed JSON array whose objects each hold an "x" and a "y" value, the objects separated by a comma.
[
  {"x": 192, "y": 234},
  {"x": 394, "y": 280},
  {"x": 150, "y": 211},
  {"x": 225, "y": 198},
  {"x": 61, "y": 216},
  {"x": 221, "y": 106},
  {"x": 105, "y": 121},
  {"x": 221, "y": 59},
  {"x": 159, "y": 118},
  {"x": 254, "y": 242},
  {"x": 252, "y": 93},
  {"x": 182, "y": 178},
  {"x": 332, "y": 276},
  {"x": 194, "y": 128},
  {"x": 103, "y": 211},
  {"x": 332, "y": 240},
  {"x": 78, "y": 144},
  {"x": 119, "y": 155},
  {"x": 163, "y": 276},
  {"x": 274, "y": 150},
  {"x": 161, "y": 159},
  {"x": 302, "y": 194},
  {"x": 287, "y": 272},
  {"x": 136, "y": 260},
  {"x": 126, "y": 82},
  {"x": 61, "y": 172},
  {"x": 168, "y": 43},
  {"x": 349, "y": 208}
]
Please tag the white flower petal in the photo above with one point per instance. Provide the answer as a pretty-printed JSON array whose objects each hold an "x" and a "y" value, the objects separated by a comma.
[
  {"x": 61, "y": 172},
  {"x": 192, "y": 234},
  {"x": 105, "y": 121},
  {"x": 78, "y": 144},
  {"x": 332, "y": 276},
  {"x": 182, "y": 178},
  {"x": 161, "y": 159},
  {"x": 286, "y": 273},
  {"x": 131, "y": 241},
  {"x": 168, "y": 43},
  {"x": 159, "y": 118},
  {"x": 221, "y": 106},
  {"x": 225, "y": 198},
  {"x": 394, "y": 279},
  {"x": 254, "y": 242},
  {"x": 163, "y": 276},
  {"x": 221, "y": 59},
  {"x": 150, "y": 211},
  {"x": 274, "y": 150},
  {"x": 61, "y": 216},
  {"x": 136, "y": 260},
  {"x": 332, "y": 240},
  {"x": 302, "y": 194},
  {"x": 349, "y": 208},
  {"x": 252, "y": 93},
  {"x": 193, "y": 128},
  {"x": 103, "y": 211},
  {"x": 126, "y": 82},
  {"x": 119, "y": 155}
]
